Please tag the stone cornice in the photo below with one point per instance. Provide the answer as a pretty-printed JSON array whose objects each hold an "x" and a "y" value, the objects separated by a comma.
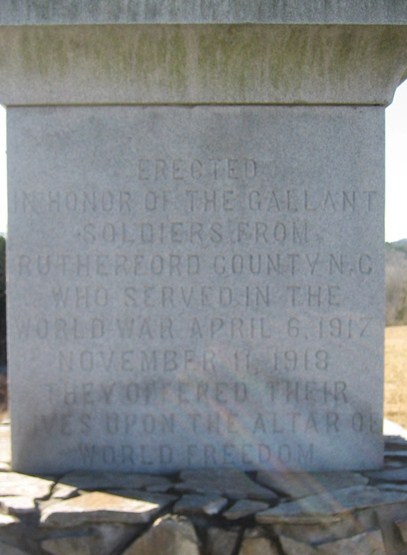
[
  {"x": 72, "y": 12},
  {"x": 202, "y": 64}
]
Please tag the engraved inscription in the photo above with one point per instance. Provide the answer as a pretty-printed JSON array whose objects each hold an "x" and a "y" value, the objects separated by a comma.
[{"x": 205, "y": 288}]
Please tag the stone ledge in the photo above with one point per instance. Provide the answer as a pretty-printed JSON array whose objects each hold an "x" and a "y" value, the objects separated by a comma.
[
  {"x": 202, "y": 64},
  {"x": 208, "y": 512},
  {"x": 40, "y": 12}
]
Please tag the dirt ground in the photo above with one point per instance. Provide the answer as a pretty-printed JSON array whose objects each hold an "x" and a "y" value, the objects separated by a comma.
[{"x": 395, "y": 392}]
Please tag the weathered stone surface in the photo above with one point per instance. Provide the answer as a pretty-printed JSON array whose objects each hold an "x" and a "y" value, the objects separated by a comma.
[
  {"x": 230, "y": 482},
  {"x": 64, "y": 491},
  {"x": 302, "y": 484},
  {"x": 98, "y": 507},
  {"x": 83, "y": 544},
  {"x": 221, "y": 541},
  {"x": 224, "y": 150},
  {"x": 101, "y": 540},
  {"x": 160, "y": 487},
  {"x": 329, "y": 505},
  {"x": 254, "y": 543},
  {"x": 51, "y": 502},
  {"x": 207, "y": 78},
  {"x": 7, "y": 520},
  {"x": 244, "y": 508},
  {"x": 320, "y": 531},
  {"x": 12, "y": 531},
  {"x": 368, "y": 543},
  {"x": 160, "y": 499},
  {"x": 363, "y": 520},
  {"x": 210, "y": 504},
  {"x": 293, "y": 513},
  {"x": 392, "y": 487},
  {"x": 294, "y": 547},
  {"x": 113, "y": 480},
  {"x": 17, "y": 505},
  {"x": 167, "y": 536},
  {"x": 13, "y": 483},
  {"x": 396, "y": 475},
  {"x": 402, "y": 528},
  {"x": 385, "y": 518},
  {"x": 11, "y": 550}
]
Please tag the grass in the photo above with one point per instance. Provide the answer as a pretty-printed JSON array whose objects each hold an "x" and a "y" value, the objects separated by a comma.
[{"x": 395, "y": 392}]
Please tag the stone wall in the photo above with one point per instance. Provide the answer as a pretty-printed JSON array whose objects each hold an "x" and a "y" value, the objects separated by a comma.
[{"x": 207, "y": 512}]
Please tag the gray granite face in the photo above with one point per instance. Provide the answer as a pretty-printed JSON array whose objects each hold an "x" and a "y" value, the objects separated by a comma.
[
  {"x": 195, "y": 287},
  {"x": 32, "y": 12}
]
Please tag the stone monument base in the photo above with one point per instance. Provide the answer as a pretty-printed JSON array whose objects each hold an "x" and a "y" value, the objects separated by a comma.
[{"x": 222, "y": 512}]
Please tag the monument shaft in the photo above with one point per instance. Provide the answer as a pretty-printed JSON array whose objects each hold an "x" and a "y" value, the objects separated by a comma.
[
  {"x": 196, "y": 287},
  {"x": 195, "y": 247}
]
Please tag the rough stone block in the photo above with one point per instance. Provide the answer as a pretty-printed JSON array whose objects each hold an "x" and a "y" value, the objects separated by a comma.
[
  {"x": 318, "y": 532},
  {"x": 104, "y": 539},
  {"x": 16, "y": 484},
  {"x": 113, "y": 480},
  {"x": 244, "y": 508},
  {"x": 387, "y": 517},
  {"x": 255, "y": 543},
  {"x": 98, "y": 507},
  {"x": 228, "y": 481},
  {"x": 6, "y": 549},
  {"x": 200, "y": 504},
  {"x": 328, "y": 507},
  {"x": 301, "y": 484},
  {"x": 402, "y": 527},
  {"x": 293, "y": 547},
  {"x": 17, "y": 505},
  {"x": 220, "y": 541},
  {"x": 368, "y": 543},
  {"x": 167, "y": 536}
]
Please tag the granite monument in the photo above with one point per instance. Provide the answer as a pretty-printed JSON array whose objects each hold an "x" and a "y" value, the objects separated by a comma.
[{"x": 196, "y": 250}]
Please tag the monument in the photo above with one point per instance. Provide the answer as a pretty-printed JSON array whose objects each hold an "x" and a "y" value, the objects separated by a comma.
[{"x": 196, "y": 232}]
